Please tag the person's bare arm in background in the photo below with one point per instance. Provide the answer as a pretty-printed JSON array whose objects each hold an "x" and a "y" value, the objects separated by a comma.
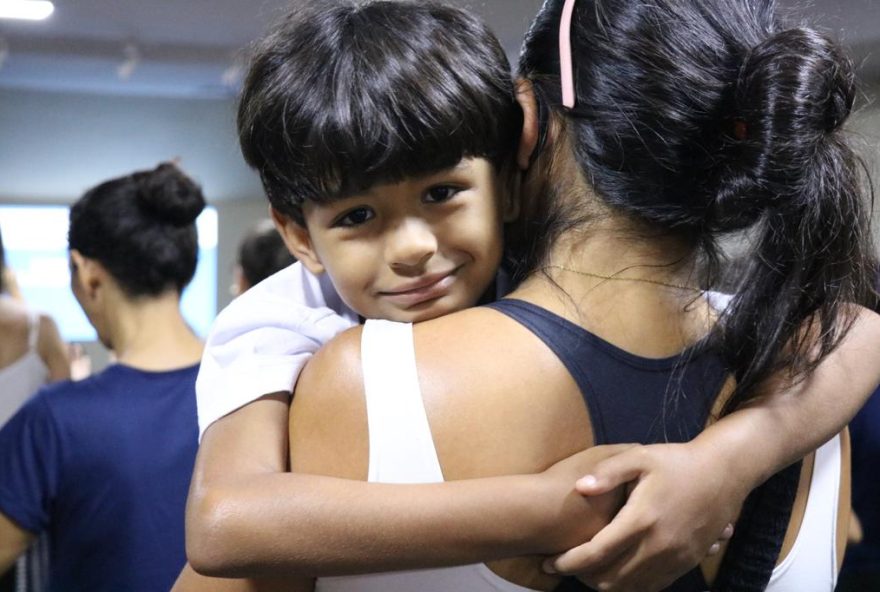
[{"x": 52, "y": 350}]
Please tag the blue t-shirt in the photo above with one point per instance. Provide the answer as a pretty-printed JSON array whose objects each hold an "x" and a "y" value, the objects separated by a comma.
[{"x": 104, "y": 465}]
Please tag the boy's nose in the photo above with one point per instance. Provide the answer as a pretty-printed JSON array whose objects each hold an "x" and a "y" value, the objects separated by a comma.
[{"x": 411, "y": 246}]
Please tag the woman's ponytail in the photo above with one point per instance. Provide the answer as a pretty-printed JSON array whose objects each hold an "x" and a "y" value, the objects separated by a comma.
[{"x": 794, "y": 177}]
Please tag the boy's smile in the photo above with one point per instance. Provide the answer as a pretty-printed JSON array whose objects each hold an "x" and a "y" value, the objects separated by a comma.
[
  {"x": 428, "y": 288},
  {"x": 408, "y": 251}
]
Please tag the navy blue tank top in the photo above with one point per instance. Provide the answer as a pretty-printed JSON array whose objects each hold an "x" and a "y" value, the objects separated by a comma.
[
  {"x": 629, "y": 398},
  {"x": 645, "y": 400}
]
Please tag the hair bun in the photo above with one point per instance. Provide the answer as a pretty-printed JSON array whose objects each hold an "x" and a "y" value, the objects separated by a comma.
[
  {"x": 794, "y": 91},
  {"x": 168, "y": 194},
  {"x": 797, "y": 82}
]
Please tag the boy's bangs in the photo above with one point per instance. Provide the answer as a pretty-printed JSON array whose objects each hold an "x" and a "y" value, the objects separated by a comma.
[
  {"x": 348, "y": 97},
  {"x": 407, "y": 134}
]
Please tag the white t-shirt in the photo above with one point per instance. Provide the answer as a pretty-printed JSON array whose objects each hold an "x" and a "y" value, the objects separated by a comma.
[
  {"x": 263, "y": 339},
  {"x": 260, "y": 342}
]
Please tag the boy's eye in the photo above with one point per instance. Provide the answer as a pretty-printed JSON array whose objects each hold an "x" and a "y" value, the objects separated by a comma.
[
  {"x": 441, "y": 193},
  {"x": 354, "y": 217}
]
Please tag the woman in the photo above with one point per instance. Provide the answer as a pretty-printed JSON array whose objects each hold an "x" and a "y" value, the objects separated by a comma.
[
  {"x": 103, "y": 464},
  {"x": 664, "y": 127}
]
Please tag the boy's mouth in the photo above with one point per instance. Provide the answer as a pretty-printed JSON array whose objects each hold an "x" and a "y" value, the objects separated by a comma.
[{"x": 426, "y": 288}]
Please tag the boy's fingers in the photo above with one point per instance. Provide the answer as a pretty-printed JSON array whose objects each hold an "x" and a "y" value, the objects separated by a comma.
[
  {"x": 727, "y": 533},
  {"x": 613, "y": 472}
]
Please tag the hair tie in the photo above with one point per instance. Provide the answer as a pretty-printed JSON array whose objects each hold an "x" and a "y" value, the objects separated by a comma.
[{"x": 566, "y": 70}]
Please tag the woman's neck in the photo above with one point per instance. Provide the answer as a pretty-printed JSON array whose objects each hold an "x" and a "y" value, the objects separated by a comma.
[
  {"x": 151, "y": 334},
  {"x": 639, "y": 293}
]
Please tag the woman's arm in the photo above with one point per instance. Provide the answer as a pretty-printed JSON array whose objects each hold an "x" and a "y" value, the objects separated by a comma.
[
  {"x": 665, "y": 529},
  {"x": 14, "y": 541}
]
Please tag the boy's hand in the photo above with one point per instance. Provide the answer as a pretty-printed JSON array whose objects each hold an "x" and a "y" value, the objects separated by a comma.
[
  {"x": 567, "y": 517},
  {"x": 681, "y": 505}
]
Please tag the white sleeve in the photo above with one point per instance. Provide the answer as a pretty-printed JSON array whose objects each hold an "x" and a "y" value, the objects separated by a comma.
[
  {"x": 259, "y": 343},
  {"x": 719, "y": 300}
]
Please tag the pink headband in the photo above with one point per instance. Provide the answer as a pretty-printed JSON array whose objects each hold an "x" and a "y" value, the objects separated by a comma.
[{"x": 566, "y": 71}]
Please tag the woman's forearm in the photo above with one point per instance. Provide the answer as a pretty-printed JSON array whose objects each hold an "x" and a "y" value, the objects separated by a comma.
[{"x": 786, "y": 423}]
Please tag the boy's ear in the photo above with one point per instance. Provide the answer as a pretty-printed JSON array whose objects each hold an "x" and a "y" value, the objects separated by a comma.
[
  {"x": 296, "y": 238},
  {"x": 528, "y": 141}
]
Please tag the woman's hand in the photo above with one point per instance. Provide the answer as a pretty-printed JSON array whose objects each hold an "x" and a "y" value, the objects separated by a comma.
[{"x": 681, "y": 504}]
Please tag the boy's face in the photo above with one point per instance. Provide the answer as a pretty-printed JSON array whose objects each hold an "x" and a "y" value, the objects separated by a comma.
[{"x": 408, "y": 251}]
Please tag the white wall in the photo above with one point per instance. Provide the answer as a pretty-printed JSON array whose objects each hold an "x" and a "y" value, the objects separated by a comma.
[{"x": 55, "y": 146}]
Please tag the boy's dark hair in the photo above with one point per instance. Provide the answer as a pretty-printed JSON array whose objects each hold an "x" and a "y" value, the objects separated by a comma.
[
  {"x": 703, "y": 118},
  {"x": 344, "y": 95},
  {"x": 262, "y": 253},
  {"x": 141, "y": 228}
]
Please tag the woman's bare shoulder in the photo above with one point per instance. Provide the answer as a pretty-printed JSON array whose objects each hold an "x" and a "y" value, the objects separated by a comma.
[
  {"x": 498, "y": 399},
  {"x": 328, "y": 429}
]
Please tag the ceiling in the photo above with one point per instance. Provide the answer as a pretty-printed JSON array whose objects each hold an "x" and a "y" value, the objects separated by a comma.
[{"x": 193, "y": 48}]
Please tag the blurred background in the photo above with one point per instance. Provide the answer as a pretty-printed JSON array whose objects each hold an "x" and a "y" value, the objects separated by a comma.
[{"x": 104, "y": 87}]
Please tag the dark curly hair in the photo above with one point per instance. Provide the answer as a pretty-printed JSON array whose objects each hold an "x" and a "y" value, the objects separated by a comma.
[{"x": 141, "y": 228}]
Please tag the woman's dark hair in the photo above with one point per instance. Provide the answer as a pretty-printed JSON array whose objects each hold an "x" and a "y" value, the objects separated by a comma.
[
  {"x": 263, "y": 253},
  {"x": 706, "y": 118},
  {"x": 141, "y": 228},
  {"x": 344, "y": 95}
]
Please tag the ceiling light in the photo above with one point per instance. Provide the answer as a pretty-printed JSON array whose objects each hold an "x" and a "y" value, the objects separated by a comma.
[
  {"x": 29, "y": 10},
  {"x": 130, "y": 63}
]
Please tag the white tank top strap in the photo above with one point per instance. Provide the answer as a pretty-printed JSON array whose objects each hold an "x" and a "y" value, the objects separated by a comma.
[
  {"x": 33, "y": 330},
  {"x": 402, "y": 451},
  {"x": 401, "y": 446},
  {"x": 810, "y": 565}
]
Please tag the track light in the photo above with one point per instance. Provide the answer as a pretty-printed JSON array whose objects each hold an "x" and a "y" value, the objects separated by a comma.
[
  {"x": 132, "y": 59},
  {"x": 29, "y": 10}
]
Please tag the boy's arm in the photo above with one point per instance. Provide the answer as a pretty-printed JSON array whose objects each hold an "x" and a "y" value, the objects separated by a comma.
[
  {"x": 685, "y": 494},
  {"x": 246, "y": 517}
]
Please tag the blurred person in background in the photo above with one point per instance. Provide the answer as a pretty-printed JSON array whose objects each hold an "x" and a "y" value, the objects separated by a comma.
[
  {"x": 31, "y": 350},
  {"x": 261, "y": 253},
  {"x": 103, "y": 465},
  {"x": 32, "y": 354}
]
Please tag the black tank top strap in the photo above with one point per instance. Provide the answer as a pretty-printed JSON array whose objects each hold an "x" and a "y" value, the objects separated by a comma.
[{"x": 629, "y": 398}]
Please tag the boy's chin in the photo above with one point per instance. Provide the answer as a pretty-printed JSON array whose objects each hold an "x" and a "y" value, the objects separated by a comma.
[{"x": 421, "y": 314}]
